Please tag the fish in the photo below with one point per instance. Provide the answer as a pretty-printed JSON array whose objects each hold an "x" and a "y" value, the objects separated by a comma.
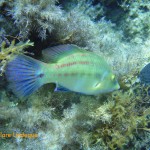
[
  {"x": 70, "y": 67},
  {"x": 144, "y": 75},
  {"x": 2, "y": 79}
]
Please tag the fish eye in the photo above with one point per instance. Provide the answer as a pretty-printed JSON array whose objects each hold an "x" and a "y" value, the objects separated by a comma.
[
  {"x": 97, "y": 84},
  {"x": 113, "y": 77}
]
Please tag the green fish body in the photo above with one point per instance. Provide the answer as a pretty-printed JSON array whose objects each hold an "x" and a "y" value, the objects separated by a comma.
[{"x": 68, "y": 66}]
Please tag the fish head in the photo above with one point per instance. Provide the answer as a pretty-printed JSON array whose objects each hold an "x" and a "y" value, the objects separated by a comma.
[{"x": 108, "y": 83}]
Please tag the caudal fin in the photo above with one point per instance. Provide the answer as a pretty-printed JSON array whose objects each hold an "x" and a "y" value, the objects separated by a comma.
[{"x": 24, "y": 75}]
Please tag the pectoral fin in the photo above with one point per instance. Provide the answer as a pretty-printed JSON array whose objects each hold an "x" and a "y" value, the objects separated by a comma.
[{"x": 61, "y": 88}]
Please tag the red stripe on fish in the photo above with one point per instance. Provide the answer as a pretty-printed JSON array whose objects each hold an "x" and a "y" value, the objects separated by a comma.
[
  {"x": 84, "y": 62},
  {"x": 83, "y": 55},
  {"x": 74, "y": 55},
  {"x": 71, "y": 64},
  {"x": 73, "y": 74},
  {"x": 66, "y": 74}
]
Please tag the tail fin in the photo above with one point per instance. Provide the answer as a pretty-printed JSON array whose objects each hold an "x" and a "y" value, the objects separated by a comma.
[{"x": 24, "y": 75}]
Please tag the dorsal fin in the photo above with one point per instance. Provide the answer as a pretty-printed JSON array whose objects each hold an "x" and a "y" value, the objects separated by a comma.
[{"x": 53, "y": 54}]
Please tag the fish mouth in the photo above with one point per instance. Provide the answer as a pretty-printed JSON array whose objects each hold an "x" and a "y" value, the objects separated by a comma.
[
  {"x": 117, "y": 87},
  {"x": 114, "y": 89}
]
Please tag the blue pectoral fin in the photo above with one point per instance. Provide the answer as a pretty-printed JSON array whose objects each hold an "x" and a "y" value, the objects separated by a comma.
[{"x": 61, "y": 89}]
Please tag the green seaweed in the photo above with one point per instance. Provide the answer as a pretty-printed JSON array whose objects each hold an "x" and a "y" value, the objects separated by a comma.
[
  {"x": 118, "y": 120},
  {"x": 7, "y": 53},
  {"x": 108, "y": 121},
  {"x": 113, "y": 121}
]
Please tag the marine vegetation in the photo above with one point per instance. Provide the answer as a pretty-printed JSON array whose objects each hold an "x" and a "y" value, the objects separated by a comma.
[
  {"x": 116, "y": 30},
  {"x": 7, "y": 53},
  {"x": 114, "y": 121},
  {"x": 37, "y": 15},
  {"x": 136, "y": 23}
]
